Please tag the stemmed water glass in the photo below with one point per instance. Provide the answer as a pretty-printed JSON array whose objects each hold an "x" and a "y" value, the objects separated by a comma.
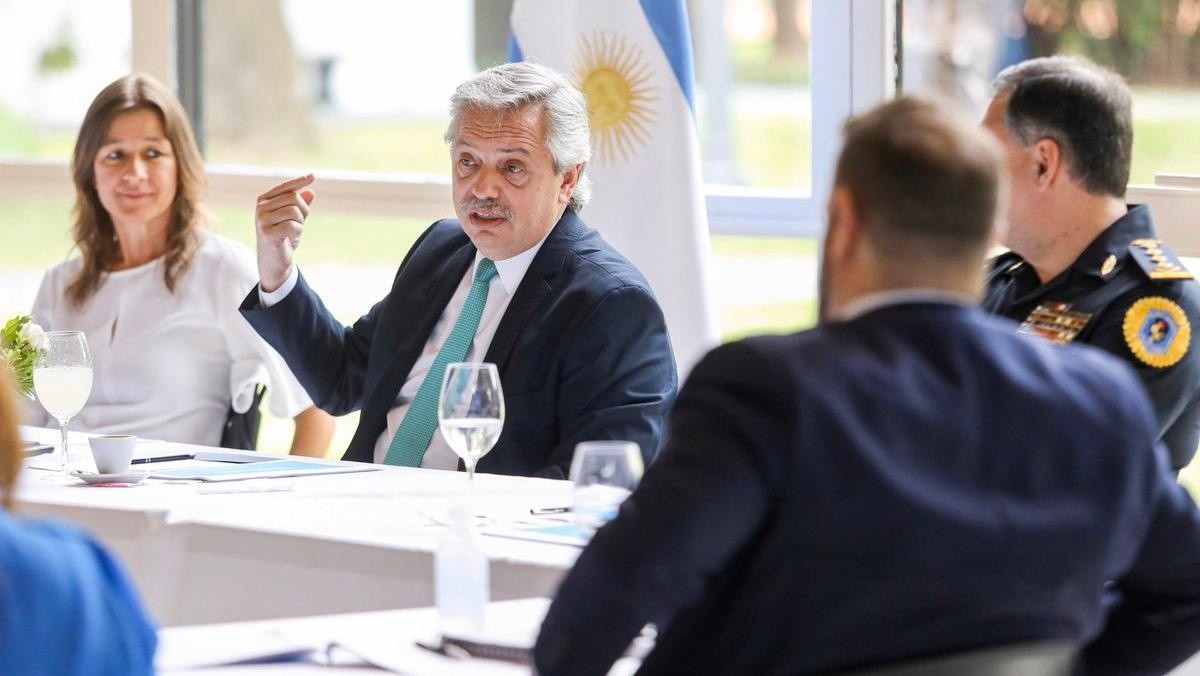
[
  {"x": 62, "y": 379},
  {"x": 604, "y": 473},
  {"x": 471, "y": 412}
]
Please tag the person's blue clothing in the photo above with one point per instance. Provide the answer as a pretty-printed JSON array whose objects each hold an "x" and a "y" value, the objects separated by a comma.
[{"x": 66, "y": 607}]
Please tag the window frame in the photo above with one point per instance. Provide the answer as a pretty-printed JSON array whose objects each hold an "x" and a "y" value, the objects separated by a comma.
[{"x": 853, "y": 57}]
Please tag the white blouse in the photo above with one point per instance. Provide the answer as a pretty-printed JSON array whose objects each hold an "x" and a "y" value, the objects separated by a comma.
[{"x": 167, "y": 365}]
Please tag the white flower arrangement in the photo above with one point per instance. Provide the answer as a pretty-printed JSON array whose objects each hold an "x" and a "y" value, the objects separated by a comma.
[{"x": 20, "y": 341}]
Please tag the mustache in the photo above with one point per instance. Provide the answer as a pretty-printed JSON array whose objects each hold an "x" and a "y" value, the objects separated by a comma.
[{"x": 486, "y": 207}]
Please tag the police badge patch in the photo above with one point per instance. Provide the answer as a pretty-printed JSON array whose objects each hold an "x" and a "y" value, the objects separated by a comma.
[{"x": 1157, "y": 331}]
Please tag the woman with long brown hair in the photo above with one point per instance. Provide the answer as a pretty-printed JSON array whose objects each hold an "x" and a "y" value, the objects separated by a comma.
[
  {"x": 65, "y": 605},
  {"x": 154, "y": 291}
]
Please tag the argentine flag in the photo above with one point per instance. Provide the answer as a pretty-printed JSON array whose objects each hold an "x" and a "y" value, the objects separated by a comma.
[{"x": 633, "y": 61}]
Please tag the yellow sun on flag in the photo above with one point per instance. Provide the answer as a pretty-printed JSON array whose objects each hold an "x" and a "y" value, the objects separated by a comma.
[{"x": 614, "y": 77}]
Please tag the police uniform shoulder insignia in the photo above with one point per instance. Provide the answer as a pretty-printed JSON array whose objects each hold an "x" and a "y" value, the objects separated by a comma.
[
  {"x": 1157, "y": 331},
  {"x": 1157, "y": 260}
]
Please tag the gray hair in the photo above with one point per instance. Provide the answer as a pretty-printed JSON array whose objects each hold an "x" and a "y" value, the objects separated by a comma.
[
  {"x": 512, "y": 86},
  {"x": 1082, "y": 107}
]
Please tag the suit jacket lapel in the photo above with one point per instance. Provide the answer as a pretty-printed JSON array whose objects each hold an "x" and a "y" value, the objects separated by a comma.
[
  {"x": 420, "y": 312},
  {"x": 534, "y": 287}
]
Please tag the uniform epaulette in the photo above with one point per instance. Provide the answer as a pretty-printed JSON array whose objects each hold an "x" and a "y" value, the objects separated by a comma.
[{"x": 1157, "y": 260}]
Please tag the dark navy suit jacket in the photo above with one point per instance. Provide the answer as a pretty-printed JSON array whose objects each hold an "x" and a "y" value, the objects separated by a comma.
[
  {"x": 582, "y": 348},
  {"x": 916, "y": 481}
]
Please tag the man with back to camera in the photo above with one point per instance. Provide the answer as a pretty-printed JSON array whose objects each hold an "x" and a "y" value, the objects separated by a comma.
[
  {"x": 910, "y": 478},
  {"x": 1084, "y": 267},
  {"x": 518, "y": 280}
]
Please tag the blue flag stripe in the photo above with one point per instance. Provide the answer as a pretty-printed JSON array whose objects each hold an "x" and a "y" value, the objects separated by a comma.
[
  {"x": 514, "y": 48},
  {"x": 668, "y": 20}
]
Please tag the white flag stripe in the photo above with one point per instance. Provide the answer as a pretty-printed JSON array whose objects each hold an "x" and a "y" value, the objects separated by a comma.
[{"x": 647, "y": 189}]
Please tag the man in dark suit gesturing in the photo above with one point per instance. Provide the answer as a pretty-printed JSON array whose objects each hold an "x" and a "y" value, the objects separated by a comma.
[
  {"x": 518, "y": 280},
  {"x": 911, "y": 478}
]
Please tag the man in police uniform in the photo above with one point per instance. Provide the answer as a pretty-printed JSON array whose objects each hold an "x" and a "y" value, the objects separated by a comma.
[{"x": 1082, "y": 266}]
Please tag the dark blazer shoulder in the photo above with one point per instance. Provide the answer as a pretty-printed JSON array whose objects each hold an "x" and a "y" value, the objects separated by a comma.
[
  {"x": 425, "y": 264},
  {"x": 586, "y": 252},
  {"x": 771, "y": 370}
]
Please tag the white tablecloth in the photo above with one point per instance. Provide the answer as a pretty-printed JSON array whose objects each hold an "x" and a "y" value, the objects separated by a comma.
[
  {"x": 389, "y": 634},
  {"x": 328, "y": 544},
  {"x": 385, "y": 638}
]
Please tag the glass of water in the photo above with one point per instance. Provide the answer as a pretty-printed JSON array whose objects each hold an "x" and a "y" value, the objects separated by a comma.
[
  {"x": 605, "y": 473},
  {"x": 471, "y": 411},
  {"x": 62, "y": 379}
]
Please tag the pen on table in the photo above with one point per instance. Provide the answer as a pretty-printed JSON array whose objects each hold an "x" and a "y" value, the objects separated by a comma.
[
  {"x": 165, "y": 458},
  {"x": 549, "y": 510}
]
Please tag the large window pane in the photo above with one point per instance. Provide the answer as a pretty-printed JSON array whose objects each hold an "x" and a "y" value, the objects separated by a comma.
[
  {"x": 356, "y": 85},
  {"x": 57, "y": 54},
  {"x": 755, "y": 110},
  {"x": 363, "y": 85},
  {"x": 954, "y": 47},
  {"x": 35, "y": 235}
]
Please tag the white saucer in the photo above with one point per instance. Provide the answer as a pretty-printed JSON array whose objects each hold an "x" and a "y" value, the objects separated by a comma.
[{"x": 93, "y": 478}]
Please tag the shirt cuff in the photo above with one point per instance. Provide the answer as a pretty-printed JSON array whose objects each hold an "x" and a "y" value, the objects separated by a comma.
[{"x": 269, "y": 299}]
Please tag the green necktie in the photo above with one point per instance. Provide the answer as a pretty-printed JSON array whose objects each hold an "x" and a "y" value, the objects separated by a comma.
[{"x": 408, "y": 446}]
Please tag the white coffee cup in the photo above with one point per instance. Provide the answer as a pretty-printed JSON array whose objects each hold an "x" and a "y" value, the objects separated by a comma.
[{"x": 113, "y": 453}]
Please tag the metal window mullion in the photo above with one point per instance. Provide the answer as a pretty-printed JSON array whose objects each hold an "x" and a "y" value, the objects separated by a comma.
[{"x": 189, "y": 77}]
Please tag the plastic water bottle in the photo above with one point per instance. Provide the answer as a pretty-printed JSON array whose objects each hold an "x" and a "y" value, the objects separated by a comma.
[{"x": 461, "y": 584}]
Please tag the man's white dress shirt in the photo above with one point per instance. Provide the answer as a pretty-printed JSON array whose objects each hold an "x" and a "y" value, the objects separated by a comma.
[{"x": 510, "y": 272}]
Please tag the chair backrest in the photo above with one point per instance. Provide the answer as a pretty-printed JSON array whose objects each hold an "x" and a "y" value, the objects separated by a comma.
[
  {"x": 1040, "y": 658},
  {"x": 1167, "y": 180},
  {"x": 241, "y": 429},
  {"x": 1176, "y": 212}
]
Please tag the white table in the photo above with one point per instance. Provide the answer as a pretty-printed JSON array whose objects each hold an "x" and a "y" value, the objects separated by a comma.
[
  {"x": 385, "y": 636},
  {"x": 386, "y": 639},
  {"x": 329, "y": 544},
  {"x": 388, "y": 636}
]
